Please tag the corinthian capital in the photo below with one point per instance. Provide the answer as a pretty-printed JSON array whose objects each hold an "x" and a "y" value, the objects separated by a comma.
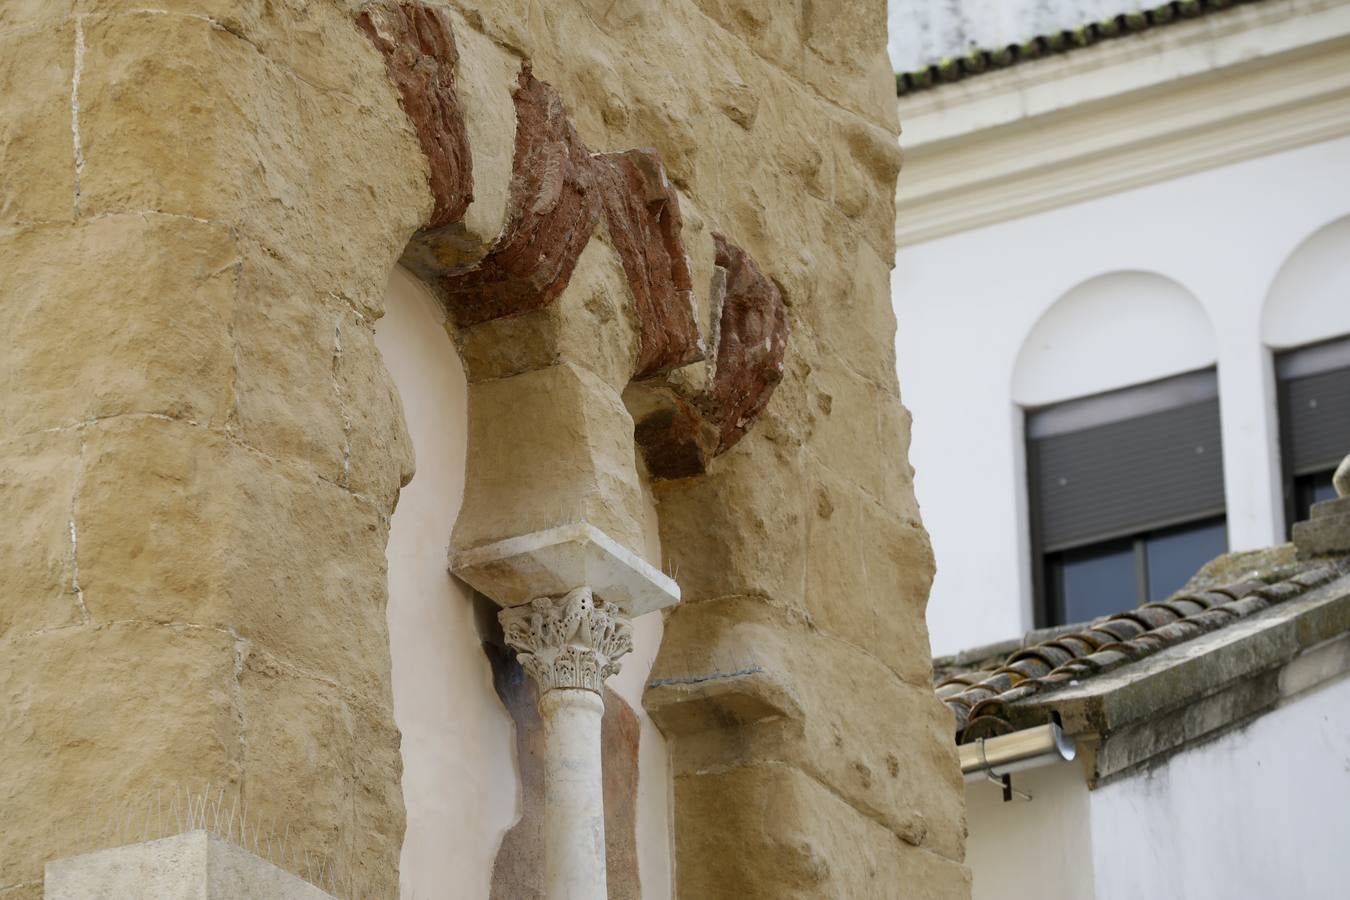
[{"x": 573, "y": 641}]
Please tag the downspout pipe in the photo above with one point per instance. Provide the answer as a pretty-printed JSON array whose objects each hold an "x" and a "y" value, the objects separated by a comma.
[{"x": 1030, "y": 748}]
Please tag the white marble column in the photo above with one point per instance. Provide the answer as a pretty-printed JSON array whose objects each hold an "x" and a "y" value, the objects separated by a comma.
[
  {"x": 568, "y": 595},
  {"x": 570, "y": 645}
]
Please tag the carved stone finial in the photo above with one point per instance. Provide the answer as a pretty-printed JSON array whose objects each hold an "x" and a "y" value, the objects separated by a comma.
[
  {"x": 1341, "y": 480},
  {"x": 573, "y": 641}
]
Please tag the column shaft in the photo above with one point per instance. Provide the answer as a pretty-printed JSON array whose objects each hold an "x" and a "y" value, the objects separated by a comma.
[{"x": 574, "y": 813}]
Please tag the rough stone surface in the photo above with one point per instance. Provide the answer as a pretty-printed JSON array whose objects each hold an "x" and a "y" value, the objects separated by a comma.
[
  {"x": 797, "y": 840},
  {"x": 36, "y": 149},
  {"x": 203, "y": 201},
  {"x": 1240, "y": 565},
  {"x": 196, "y": 435},
  {"x": 735, "y": 665},
  {"x": 1327, "y": 531}
]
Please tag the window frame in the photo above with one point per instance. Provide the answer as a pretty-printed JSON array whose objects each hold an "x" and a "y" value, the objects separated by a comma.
[
  {"x": 1055, "y": 605},
  {"x": 1085, "y": 412},
  {"x": 1290, "y": 365}
]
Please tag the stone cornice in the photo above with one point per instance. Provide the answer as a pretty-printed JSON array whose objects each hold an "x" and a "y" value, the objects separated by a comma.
[{"x": 1230, "y": 87}]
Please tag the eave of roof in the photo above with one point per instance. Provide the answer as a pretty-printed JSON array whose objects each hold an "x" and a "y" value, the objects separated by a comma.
[
  {"x": 983, "y": 701},
  {"x": 980, "y": 60}
]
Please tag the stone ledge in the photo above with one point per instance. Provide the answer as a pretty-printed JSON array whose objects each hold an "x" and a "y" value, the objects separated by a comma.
[
  {"x": 554, "y": 561},
  {"x": 194, "y": 864}
]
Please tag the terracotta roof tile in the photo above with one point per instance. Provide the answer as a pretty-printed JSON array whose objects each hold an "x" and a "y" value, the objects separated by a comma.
[{"x": 979, "y": 699}]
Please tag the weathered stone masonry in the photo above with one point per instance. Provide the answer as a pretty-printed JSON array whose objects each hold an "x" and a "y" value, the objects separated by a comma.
[{"x": 200, "y": 206}]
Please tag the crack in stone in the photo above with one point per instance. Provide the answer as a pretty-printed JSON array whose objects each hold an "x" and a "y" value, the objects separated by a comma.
[
  {"x": 75, "y": 588},
  {"x": 242, "y": 649},
  {"x": 699, "y": 679},
  {"x": 344, "y": 480}
]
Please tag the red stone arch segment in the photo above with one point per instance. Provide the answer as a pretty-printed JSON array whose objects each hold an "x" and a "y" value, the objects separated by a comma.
[
  {"x": 553, "y": 211},
  {"x": 751, "y": 343},
  {"x": 680, "y": 429},
  {"x": 419, "y": 52},
  {"x": 643, "y": 214},
  {"x": 559, "y": 194}
]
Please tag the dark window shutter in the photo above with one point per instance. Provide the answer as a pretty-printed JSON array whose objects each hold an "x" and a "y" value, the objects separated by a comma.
[
  {"x": 1316, "y": 415},
  {"x": 1125, "y": 476}
]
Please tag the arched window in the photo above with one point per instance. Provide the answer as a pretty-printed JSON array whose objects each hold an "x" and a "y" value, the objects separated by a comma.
[
  {"x": 1124, "y": 457},
  {"x": 1306, "y": 322}
]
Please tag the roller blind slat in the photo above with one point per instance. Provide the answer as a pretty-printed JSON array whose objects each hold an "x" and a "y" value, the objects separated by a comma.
[{"x": 1128, "y": 476}]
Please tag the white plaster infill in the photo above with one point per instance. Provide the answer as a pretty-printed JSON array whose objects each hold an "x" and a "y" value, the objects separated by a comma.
[
  {"x": 195, "y": 864},
  {"x": 558, "y": 560}
]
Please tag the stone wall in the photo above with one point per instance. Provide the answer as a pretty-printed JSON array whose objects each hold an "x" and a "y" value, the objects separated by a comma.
[{"x": 201, "y": 204}]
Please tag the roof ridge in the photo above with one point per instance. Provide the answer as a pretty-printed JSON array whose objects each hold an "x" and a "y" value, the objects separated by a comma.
[
  {"x": 979, "y": 59},
  {"x": 1113, "y": 641}
]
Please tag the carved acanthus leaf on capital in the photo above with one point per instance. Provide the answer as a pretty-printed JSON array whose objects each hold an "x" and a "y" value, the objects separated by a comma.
[{"x": 573, "y": 641}]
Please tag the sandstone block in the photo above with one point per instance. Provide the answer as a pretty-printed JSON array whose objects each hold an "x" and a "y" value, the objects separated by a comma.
[
  {"x": 732, "y": 688},
  {"x": 856, "y": 549},
  {"x": 180, "y": 526},
  {"x": 36, "y": 147},
  {"x": 38, "y": 477},
  {"x": 116, "y": 315},
  {"x": 772, "y": 29},
  {"x": 897, "y": 473},
  {"x": 24, "y": 14},
  {"x": 287, "y": 402},
  {"x": 741, "y": 528},
  {"x": 591, "y": 325},
  {"x": 549, "y": 447},
  {"x": 846, "y": 438},
  {"x": 853, "y": 327},
  {"x": 137, "y": 158},
  {"x": 295, "y": 163},
  {"x": 95, "y": 720},
  {"x": 846, "y": 57},
  {"x": 796, "y": 841},
  {"x": 377, "y": 453},
  {"x": 324, "y": 761}
]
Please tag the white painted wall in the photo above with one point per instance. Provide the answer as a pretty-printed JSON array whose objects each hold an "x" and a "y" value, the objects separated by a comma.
[
  {"x": 1311, "y": 294},
  {"x": 1041, "y": 848},
  {"x": 459, "y": 771},
  {"x": 1263, "y": 812},
  {"x": 459, "y": 775},
  {"x": 967, "y": 303},
  {"x": 1088, "y": 341}
]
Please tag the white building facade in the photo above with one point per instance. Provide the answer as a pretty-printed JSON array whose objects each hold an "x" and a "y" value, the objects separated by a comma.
[
  {"x": 1174, "y": 202},
  {"x": 1214, "y": 822}
]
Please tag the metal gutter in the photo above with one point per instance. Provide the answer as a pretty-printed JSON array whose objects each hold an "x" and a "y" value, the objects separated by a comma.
[{"x": 1030, "y": 748}]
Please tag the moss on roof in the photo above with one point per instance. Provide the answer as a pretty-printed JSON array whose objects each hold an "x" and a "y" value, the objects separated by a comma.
[{"x": 981, "y": 60}]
